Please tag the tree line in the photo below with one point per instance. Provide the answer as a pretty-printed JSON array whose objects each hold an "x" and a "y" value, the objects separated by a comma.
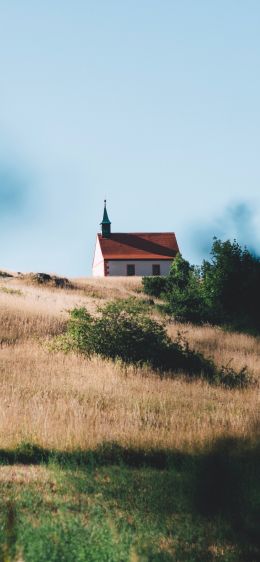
[{"x": 224, "y": 290}]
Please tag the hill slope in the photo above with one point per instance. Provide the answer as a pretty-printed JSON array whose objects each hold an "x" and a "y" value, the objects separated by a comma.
[{"x": 90, "y": 409}]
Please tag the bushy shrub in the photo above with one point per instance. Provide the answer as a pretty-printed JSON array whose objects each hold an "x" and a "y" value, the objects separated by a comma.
[
  {"x": 154, "y": 286},
  {"x": 124, "y": 331},
  {"x": 229, "y": 377},
  {"x": 184, "y": 293},
  {"x": 180, "y": 274},
  {"x": 188, "y": 305}
]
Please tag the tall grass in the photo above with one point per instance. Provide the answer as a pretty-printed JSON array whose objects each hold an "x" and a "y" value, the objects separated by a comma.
[{"x": 68, "y": 402}]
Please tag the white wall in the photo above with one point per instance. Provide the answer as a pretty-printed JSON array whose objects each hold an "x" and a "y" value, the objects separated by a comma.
[
  {"x": 142, "y": 268},
  {"x": 98, "y": 262}
]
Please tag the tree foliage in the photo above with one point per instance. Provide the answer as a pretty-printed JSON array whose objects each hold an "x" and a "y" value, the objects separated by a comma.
[
  {"x": 231, "y": 282},
  {"x": 184, "y": 292},
  {"x": 154, "y": 286},
  {"x": 224, "y": 290}
]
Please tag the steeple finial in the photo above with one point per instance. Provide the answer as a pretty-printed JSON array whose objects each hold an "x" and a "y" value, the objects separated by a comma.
[{"x": 105, "y": 224}]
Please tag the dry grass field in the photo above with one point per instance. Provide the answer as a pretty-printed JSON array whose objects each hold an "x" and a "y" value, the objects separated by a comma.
[
  {"x": 69, "y": 402},
  {"x": 58, "y": 411}
]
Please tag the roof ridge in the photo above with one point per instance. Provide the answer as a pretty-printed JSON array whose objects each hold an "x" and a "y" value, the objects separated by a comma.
[{"x": 141, "y": 232}]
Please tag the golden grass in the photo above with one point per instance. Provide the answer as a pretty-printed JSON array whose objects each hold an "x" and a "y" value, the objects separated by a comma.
[
  {"x": 113, "y": 287},
  {"x": 16, "y": 325},
  {"x": 232, "y": 348},
  {"x": 67, "y": 402}
]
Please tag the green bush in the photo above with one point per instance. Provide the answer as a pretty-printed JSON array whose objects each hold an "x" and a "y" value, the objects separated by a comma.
[
  {"x": 180, "y": 274},
  {"x": 188, "y": 305},
  {"x": 124, "y": 331},
  {"x": 184, "y": 295},
  {"x": 154, "y": 286}
]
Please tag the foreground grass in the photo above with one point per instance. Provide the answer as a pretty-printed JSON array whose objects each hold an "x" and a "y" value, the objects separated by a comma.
[
  {"x": 105, "y": 514},
  {"x": 116, "y": 505},
  {"x": 121, "y": 466},
  {"x": 100, "y": 511}
]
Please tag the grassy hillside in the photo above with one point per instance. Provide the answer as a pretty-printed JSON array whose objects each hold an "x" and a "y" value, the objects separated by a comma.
[{"x": 100, "y": 463}]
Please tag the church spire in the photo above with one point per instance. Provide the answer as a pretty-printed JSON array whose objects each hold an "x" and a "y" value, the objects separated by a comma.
[{"x": 105, "y": 224}]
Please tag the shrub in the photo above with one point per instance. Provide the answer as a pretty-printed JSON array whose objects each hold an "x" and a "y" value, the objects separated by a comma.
[
  {"x": 184, "y": 293},
  {"x": 180, "y": 273},
  {"x": 124, "y": 331},
  {"x": 188, "y": 305},
  {"x": 154, "y": 286},
  {"x": 227, "y": 376}
]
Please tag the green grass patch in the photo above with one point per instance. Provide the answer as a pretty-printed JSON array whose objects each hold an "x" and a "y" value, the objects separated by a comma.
[
  {"x": 107, "y": 514},
  {"x": 118, "y": 505},
  {"x": 10, "y": 291}
]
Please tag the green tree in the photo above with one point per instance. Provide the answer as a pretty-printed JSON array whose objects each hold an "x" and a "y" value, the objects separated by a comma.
[
  {"x": 180, "y": 273},
  {"x": 231, "y": 282},
  {"x": 184, "y": 292},
  {"x": 224, "y": 290}
]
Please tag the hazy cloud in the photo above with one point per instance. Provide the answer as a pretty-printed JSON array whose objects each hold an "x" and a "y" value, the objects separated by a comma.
[
  {"x": 239, "y": 221},
  {"x": 14, "y": 188}
]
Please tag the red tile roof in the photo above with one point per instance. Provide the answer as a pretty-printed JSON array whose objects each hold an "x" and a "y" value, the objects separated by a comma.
[{"x": 139, "y": 245}]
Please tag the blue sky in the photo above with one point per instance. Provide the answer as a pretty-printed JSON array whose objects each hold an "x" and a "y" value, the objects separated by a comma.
[{"x": 151, "y": 104}]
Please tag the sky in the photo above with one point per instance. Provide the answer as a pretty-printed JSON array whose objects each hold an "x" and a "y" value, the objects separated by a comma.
[{"x": 151, "y": 104}]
